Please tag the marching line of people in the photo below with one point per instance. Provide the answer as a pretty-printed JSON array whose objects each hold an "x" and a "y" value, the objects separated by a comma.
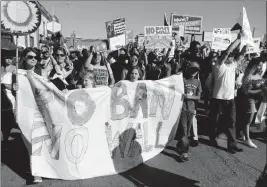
[{"x": 231, "y": 83}]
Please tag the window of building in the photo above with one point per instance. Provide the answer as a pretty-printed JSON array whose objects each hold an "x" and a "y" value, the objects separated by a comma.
[{"x": 31, "y": 41}]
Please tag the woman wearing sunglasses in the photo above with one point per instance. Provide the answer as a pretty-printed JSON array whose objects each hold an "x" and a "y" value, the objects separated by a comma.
[
  {"x": 48, "y": 63},
  {"x": 103, "y": 72},
  {"x": 62, "y": 70},
  {"x": 29, "y": 59}
]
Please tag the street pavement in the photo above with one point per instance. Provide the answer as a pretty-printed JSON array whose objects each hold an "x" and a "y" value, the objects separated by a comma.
[{"x": 207, "y": 166}]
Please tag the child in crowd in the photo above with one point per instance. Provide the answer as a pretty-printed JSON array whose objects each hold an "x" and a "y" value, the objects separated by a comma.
[
  {"x": 89, "y": 79},
  {"x": 192, "y": 93}
]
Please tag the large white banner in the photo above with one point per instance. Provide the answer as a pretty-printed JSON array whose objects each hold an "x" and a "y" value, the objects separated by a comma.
[{"x": 94, "y": 132}]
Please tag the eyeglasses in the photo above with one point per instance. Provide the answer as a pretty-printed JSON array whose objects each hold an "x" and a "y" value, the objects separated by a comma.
[
  {"x": 62, "y": 55},
  {"x": 30, "y": 57},
  {"x": 45, "y": 52}
]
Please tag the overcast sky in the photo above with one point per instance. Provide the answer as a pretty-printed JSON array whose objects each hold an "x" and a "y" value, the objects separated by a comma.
[{"x": 87, "y": 18}]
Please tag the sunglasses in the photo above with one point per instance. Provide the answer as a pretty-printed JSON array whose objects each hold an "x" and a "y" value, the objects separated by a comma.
[
  {"x": 30, "y": 57},
  {"x": 62, "y": 55},
  {"x": 45, "y": 52}
]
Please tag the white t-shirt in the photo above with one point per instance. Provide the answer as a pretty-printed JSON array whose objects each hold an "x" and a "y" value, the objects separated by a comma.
[{"x": 224, "y": 81}]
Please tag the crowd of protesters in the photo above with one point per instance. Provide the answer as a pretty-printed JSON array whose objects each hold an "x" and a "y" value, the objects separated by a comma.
[{"x": 230, "y": 82}]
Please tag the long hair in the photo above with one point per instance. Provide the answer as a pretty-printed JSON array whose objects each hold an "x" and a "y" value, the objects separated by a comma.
[
  {"x": 139, "y": 72},
  {"x": 25, "y": 52},
  {"x": 102, "y": 61},
  {"x": 251, "y": 67},
  {"x": 62, "y": 49}
]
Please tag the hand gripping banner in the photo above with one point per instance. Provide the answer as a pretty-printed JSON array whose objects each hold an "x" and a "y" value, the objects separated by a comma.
[{"x": 86, "y": 133}]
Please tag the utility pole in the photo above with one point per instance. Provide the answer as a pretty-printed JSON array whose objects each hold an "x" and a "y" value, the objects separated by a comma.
[
  {"x": 253, "y": 33},
  {"x": 74, "y": 39}
]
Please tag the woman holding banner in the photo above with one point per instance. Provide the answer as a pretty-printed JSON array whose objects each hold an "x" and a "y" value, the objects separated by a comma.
[
  {"x": 29, "y": 60},
  {"x": 252, "y": 89}
]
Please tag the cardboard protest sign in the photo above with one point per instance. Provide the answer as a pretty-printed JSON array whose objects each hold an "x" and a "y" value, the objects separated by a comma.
[
  {"x": 256, "y": 48},
  {"x": 116, "y": 27},
  {"x": 85, "y": 133},
  {"x": 117, "y": 42},
  {"x": 221, "y": 38},
  {"x": 158, "y": 37},
  {"x": 192, "y": 24}
]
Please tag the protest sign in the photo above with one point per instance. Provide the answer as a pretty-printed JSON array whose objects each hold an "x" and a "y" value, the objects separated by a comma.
[
  {"x": 158, "y": 31},
  {"x": 192, "y": 24},
  {"x": 207, "y": 36},
  {"x": 129, "y": 36},
  {"x": 116, "y": 27},
  {"x": 221, "y": 38},
  {"x": 92, "y": 132},
  {"x": 140, "y": 40},
  {"x": 117, "y": 42},
  {"x": 158, "y": 37},
  {"x": 256, "y": 48},
  {"x": 100, "y": 46},
  {"x": 177, "y": 33}
]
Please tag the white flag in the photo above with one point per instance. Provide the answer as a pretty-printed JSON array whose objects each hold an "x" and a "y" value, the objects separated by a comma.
[{"x": 247, "y": 39}]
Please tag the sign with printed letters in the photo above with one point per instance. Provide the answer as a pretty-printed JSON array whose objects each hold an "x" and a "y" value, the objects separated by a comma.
[
  {"x": 116, "y": 27},
  {"x": 221, "y": 38},
  {"x": 158, "y": 37},
  {"x": 192, "y": 24}
]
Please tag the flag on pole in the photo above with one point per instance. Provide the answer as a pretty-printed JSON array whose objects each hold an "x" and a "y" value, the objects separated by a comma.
[
  {"x": 243, "y": 23},
  {"x": 239, "y": 23},
  {"x": 171, "y": 19},
  {"x": 165, "y": 20}
]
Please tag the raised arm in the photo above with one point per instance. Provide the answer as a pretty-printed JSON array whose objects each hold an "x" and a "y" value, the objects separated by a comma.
[
  {"x": 242, "y": 54},
  {"x": 89, "y": 59},
  {"x": 124, "y": 74},
  {"x": 230, "y": 49},
  {"x": 111, "y": 76}
]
